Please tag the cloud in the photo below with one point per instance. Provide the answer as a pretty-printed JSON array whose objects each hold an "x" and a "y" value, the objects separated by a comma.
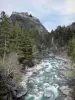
[
  {"x": 6, "y": 6},
  {"x": 41, "y": 6},
  {"x": 70, "y": 6},
  {"x": 50, "y": 12}
]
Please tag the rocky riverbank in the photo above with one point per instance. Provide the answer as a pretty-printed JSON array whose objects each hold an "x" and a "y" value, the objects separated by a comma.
[
  {"x": 65, "y": 89},
  {"x": 20, "y": 89}
]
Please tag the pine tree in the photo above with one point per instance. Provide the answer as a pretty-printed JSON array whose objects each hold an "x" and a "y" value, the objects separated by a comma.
[
  {"x": 5, "y": 34},
  {"x": 71, "y": 49}
]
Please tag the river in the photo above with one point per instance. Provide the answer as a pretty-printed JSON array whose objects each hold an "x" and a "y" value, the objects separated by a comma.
[{"x": 45, "y": 83}]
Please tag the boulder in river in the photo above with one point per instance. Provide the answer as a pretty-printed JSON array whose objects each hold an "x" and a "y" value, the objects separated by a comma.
[
  {"x": 28, "y": 63},
  {"x": 66, "y": 90},
  {"x": 19, "y": 91},
  {"x": 68, "y": 98}
]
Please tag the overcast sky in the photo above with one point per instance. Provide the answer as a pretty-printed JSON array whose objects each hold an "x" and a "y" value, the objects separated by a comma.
[{"x": 50, "y": 12}]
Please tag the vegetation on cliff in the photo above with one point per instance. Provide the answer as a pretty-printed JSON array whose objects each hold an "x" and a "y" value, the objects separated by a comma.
[{"x": 22, "y": 40}]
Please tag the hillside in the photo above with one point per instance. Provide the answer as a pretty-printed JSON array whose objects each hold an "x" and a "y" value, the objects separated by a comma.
[
  {"x": 28, "y": 21},
  {"x": 63, "y": 39}
]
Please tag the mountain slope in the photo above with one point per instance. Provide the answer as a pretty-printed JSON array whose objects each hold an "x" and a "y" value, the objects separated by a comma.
[{"x": 28, "y": 21}]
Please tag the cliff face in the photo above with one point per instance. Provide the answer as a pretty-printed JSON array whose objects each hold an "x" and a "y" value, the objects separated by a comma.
[{"x": 28, "y": 21}]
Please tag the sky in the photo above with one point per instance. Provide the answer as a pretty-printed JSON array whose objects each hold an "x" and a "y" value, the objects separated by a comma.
[{"x": 51, "y": 13}]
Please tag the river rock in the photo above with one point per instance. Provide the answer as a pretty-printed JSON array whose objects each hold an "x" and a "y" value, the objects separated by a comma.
[
  {"x": 36, "y": 61},
  {"x": 52, "y": 56},
  {"x": 66, "y": 90},
  {"x": 68, "y": 98},
  {"x": 28, "y": 63},
  {"x": 19, "y": 91},
  {"x": 48, "y": 94}
]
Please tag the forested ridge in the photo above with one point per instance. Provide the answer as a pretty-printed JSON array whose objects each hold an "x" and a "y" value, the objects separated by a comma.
[
  {"x": 63, "y": 36},
  {"x": 13, "y": 37}
]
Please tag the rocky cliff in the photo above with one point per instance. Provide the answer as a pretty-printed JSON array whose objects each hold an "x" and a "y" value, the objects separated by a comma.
[{"x": 28, "y": 21}]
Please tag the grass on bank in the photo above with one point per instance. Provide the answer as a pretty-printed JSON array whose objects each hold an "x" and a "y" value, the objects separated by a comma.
[{"x": 69, "y": 73}]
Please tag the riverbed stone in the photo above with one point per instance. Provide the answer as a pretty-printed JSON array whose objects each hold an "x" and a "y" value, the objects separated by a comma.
[
  {"x": 66, "y": 90},
  {"x": 68, "y": 98},
  {"x": 19, "y": 91}
]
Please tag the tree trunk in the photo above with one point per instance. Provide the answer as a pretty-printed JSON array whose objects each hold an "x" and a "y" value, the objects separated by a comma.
[{"x": 4, "y": 53}]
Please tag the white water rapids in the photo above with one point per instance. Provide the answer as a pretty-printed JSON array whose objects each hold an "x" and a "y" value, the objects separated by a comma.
[{"x": 45, "y": 83}]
